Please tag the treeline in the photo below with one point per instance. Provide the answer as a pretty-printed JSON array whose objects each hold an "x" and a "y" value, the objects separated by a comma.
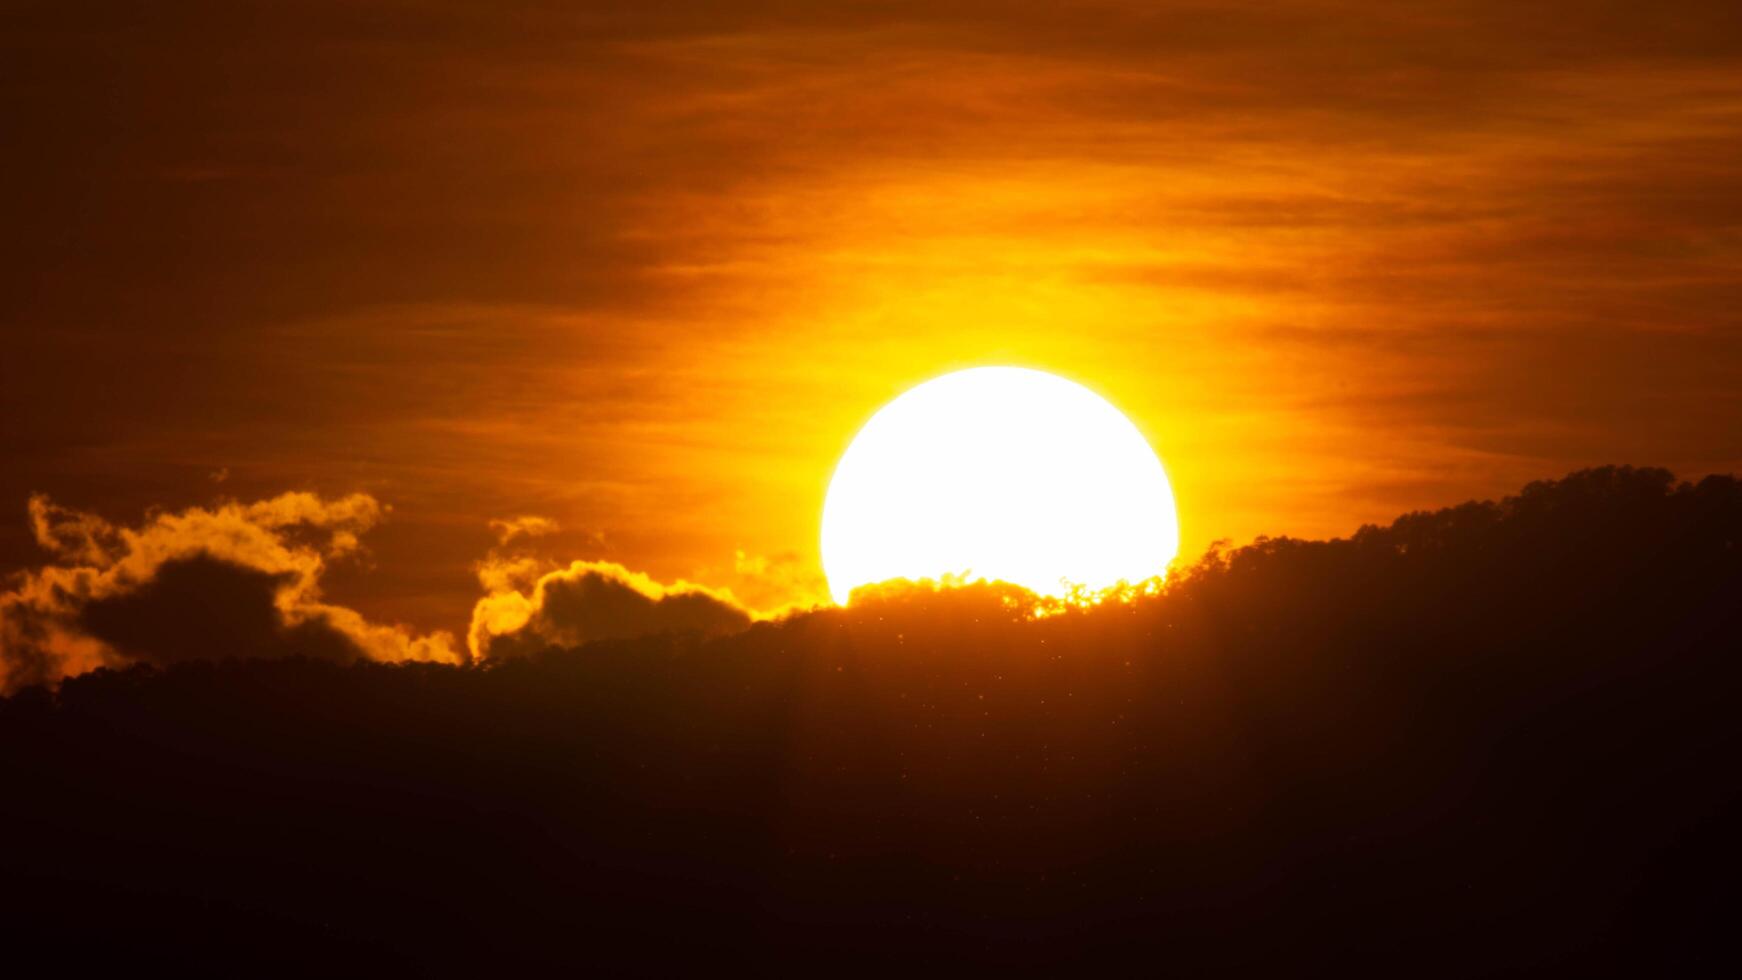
[{"x": 1497, "y": 737}]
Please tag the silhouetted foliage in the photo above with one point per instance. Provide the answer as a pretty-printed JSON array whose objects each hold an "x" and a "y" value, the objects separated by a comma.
[{"x": 1497, "y": 737}]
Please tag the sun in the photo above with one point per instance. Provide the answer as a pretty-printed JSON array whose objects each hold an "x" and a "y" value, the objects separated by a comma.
[{"x": 998, "y": 473}]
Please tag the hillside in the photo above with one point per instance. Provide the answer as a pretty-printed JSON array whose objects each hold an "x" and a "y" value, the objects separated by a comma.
[{"x": 1501, "y": 734}]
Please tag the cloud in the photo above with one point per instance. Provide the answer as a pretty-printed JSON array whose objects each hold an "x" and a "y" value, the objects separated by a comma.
[
  {"x": 510, "y": 529},
  {"x": 232, "y": 580},
  {"x": 233, "y": 605},
  {"x": 780, "y": 583},
  {"x": 1335, "y": 262},
  {"x": 587, "y": 601}
]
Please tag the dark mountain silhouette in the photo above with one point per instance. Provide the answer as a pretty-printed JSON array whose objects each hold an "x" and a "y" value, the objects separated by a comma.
[{"x": 1496, "y": 738}]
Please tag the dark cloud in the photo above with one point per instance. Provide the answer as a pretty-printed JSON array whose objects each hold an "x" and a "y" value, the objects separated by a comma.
[
  {"x": 203, "y": 608},
  {"x": 231, "y": 580},
  {"x": 587, "y": 601},
  {"x": 243, "y": 580}
]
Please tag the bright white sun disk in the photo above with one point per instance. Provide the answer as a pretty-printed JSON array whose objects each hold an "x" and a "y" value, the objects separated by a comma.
[{"x": 1003, "y": 474}]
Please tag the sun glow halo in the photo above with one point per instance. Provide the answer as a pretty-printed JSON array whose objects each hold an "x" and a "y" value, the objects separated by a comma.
[{"x": 998, "y": 473}]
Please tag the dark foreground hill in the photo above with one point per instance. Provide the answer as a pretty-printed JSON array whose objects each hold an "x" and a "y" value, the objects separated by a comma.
[{"x": 1501, "y": 737}]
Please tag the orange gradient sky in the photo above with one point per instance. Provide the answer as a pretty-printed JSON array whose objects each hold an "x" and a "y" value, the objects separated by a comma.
[{"x": 645, "y": 271}]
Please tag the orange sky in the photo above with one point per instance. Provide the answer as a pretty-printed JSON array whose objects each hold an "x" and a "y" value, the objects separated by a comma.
[{"x": 644, "y": 271}]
